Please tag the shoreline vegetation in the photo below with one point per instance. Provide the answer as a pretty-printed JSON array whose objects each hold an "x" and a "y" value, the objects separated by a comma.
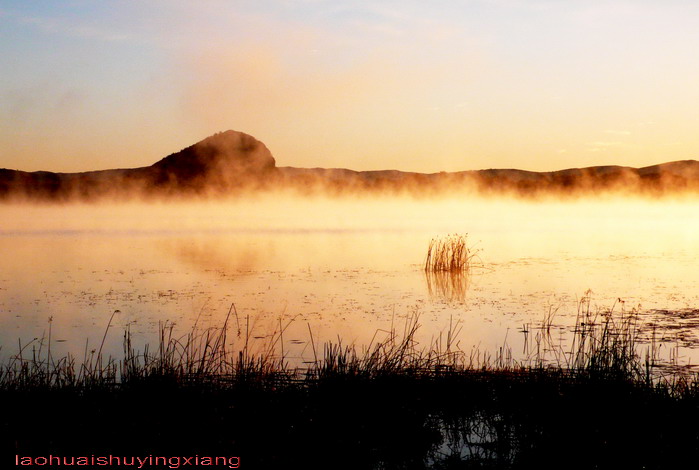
[{"x": 601, "y": 402}]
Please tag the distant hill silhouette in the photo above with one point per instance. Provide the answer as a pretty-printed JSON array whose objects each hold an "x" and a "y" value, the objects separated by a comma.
[
  {"x": 225, "y": 162},
  {"x": 231, "y": 162},
  {"x": 657, "y": 180}
]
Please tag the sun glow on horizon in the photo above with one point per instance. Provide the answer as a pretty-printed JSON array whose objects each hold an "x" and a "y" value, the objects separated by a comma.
[{"x": 533, "y": 85}]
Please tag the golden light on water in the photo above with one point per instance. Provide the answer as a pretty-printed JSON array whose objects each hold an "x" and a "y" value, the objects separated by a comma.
[
  {"x": 556, "y": 140},
  {"x": 349, "y": 266}
]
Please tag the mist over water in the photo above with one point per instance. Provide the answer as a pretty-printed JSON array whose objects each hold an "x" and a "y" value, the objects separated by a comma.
[{"x": 346, "y": 267}]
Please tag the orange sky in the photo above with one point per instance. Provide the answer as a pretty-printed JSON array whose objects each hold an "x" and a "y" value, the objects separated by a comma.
[{"x": 416, "y": 86}]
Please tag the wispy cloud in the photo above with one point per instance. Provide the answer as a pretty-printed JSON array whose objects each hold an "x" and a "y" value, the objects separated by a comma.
[{"x": 72, "y": 27}]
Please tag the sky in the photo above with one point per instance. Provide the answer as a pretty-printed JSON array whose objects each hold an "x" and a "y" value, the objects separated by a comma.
[{"x": 411, "y": 85}]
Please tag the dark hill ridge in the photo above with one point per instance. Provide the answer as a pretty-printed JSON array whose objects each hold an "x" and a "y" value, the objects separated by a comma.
[
  {"x": 230, "y": 162},
  {"x": 663, "y": 179},
  {"x": 220, "y": 160},
  {"x": 221, "y": 163}
]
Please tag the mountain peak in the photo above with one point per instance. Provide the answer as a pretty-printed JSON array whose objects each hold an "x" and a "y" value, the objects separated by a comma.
[{"x": 220, "y": 159}]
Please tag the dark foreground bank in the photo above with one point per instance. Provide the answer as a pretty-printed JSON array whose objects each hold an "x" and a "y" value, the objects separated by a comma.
[{"x": 394, "y": 406}]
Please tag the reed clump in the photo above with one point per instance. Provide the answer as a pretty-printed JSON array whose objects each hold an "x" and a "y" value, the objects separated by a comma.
[{"x": 450, "y": 254}]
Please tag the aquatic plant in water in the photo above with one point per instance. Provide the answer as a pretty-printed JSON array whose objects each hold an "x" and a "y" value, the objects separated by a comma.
[
  {"x": 449, "y": 254},
  {"x": 448, "y": 266}
]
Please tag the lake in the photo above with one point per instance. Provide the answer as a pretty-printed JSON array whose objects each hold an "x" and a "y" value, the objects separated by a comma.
[{"x": 348, "y": 269}]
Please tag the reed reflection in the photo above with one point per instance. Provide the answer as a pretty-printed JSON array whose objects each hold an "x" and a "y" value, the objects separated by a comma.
[
  {"x": 451, "y": 287},
  {"x": 448, "y": 267}
]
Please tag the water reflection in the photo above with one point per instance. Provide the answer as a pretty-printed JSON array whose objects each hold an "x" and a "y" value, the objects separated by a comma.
[
  {"x": 225, "y": 258},
  {"x": 447, "y": 286},
  {"x": 344, "y": 267}
]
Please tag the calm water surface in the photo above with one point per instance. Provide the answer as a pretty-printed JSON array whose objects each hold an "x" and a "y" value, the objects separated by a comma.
[{"x": 346, "y": 268}]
